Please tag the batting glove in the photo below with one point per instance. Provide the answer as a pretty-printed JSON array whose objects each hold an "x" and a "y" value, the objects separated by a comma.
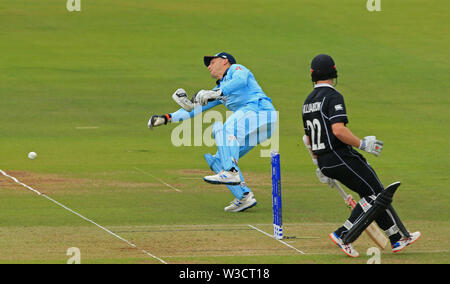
[
  {"x": 371, "y": 145},
  {"x": 158, "y": 120},
  {"x": 205, "y": 96},
  {"x": 323, "y": 178}
]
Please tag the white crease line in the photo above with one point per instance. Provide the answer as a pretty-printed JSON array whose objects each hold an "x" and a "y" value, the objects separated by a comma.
[
  {"x": 81, "y": 216},
  {"x": 161, "y": 181},
  {"x": 284, "y": 243}
]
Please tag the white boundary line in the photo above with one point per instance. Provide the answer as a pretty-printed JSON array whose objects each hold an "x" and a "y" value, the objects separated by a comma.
[
  {"x": 81, "y": 216},
  {"x": 161, "y": 181},
  {"x": 284, "y": 243}
]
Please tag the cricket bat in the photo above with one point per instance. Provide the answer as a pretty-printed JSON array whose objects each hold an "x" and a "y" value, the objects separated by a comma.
[{"x": 373, "y": 231}]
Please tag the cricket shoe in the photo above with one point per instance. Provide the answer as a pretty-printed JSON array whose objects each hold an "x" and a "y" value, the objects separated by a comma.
[
  {"x": 248, "y": 201},
  {"x": 224, "y": 177},
  {"x": 404, "y": 242},
  {"x": 346, "y": 248}
]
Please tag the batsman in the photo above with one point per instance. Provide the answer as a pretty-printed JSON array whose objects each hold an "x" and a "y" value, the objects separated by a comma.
[
  {"x": 252, "y": 122},
  {"x": 332, "y": 145}
]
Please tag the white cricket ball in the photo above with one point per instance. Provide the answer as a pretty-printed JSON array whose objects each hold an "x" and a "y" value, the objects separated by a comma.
[{"x": 32, "y": 155}]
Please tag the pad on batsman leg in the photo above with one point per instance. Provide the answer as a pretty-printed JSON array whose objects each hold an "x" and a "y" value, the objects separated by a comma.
[{"x": 382, "y": 201}]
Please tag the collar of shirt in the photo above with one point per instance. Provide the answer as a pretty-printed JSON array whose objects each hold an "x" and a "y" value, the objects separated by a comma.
[
  {"x": 323, "y": 85},
  {"x": 224, "y": 74}
]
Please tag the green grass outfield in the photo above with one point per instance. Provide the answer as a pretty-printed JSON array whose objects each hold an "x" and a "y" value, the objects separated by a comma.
[{"x": 79, "y": 87}]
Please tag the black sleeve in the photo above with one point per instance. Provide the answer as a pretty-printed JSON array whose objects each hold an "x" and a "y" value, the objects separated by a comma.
[{"x": 336, "y": 110}]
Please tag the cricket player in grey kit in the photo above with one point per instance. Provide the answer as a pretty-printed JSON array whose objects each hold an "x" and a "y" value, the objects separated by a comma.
[{"x": 331, "y": 143}]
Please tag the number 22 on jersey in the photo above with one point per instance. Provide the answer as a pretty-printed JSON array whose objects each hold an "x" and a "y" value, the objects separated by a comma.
[{"x": 316, "y": 130}]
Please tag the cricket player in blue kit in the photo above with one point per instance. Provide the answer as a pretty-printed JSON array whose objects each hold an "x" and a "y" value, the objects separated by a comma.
[{"x": 252, "y": 122}]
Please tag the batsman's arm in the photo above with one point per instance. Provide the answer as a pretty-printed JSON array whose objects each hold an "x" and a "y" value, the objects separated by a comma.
[
  {"x": 344, "y": 134},
  {"x": 369, "y": 143}
]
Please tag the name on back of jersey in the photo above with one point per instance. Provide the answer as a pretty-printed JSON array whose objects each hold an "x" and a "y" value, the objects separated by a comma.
[{"x": 312, "y": 107}]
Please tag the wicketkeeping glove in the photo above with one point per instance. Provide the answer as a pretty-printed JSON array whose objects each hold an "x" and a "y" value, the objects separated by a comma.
[
  {"x": 205, "y": 96},
  {"x": 158, "y": 120},
  {"x": 371, "y": 145},
  {"x": 181, "y": 98}
]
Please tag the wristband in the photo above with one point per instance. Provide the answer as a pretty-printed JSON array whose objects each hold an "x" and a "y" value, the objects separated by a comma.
[
  {"x": 168, "y": 117},
  {"x": 362, "y": 145}
]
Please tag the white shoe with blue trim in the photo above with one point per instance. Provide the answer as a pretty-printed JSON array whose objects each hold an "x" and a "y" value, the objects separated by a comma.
[
  {"x": 404, "y": 242},
  {"x": 346, "y": 248},
  {"x": 224, "y": 177},
  {"x": 245, "y": 203}
]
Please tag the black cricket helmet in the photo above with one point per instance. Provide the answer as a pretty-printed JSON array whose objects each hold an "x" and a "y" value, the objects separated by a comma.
[{"x": 323, "y": 68}]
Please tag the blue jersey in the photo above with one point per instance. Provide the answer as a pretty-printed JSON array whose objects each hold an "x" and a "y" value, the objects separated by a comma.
[{"x": 239, "y": 88}]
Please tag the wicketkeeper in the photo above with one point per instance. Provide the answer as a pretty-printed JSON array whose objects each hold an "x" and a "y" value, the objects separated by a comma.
[
  {"x": 331, "y": 142},
  {"x": 253, "y": 121}
]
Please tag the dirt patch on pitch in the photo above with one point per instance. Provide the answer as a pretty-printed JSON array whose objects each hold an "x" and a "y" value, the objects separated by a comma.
[
  {"x": 194, "y": 172},
  {"x": 52, "y": 183},
  {"x": 49, "y": 182}
]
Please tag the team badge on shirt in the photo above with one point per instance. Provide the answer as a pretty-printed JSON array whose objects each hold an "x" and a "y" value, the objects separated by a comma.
[{"x": 338, "y": 107}]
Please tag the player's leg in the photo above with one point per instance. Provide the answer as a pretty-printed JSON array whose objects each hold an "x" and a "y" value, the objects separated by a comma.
[
  {"x": 407, "y": 238},
  {"x": 388, "y": 220},
  {"x": 244, "y": 198},
  {"x": 228, "y": 154},
  {"x": 351, "y": 169},
  {"x": 246, "y": 127},
  {"x": 252, "y": 129},
  {"x": 215, "y": 165}
]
